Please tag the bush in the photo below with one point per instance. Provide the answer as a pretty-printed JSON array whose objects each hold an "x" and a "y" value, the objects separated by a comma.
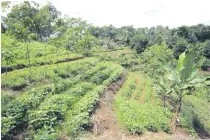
[
  {"x": 46, "y": 133},
  {"x": 206, "y": 64},
  {"x": 15, "y": 113},
  {"x": 138, "y": 117},
  {"x": 150, "y": 60}
]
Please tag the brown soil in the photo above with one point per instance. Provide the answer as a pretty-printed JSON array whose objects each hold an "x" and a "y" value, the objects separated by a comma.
[
  {"x": 153, "y": 96},
  {"x": 134, "y": 92},
  {"x": 106, "y": 127},
  {"x": 142, "y": 97},
  {"x": 104, "y": 120},
  {"x": 137, "y": 81}
]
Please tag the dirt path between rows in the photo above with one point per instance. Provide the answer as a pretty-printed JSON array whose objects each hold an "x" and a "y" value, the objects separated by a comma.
[
  {"x": 106, "y": 127},
  {"x": 104, "y": 120}
]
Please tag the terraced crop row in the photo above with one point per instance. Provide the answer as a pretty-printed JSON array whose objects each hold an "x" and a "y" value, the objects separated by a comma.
[
  {"x": 39, "y": 54},
  {"x": 65, "y": 102},
  {"x": 19, "y": 79},
  {"x": 137, "y": 107}
]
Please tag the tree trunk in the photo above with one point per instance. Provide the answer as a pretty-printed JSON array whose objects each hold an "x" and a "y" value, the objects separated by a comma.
[
  {"x": 57, "y": 57},
  {"x": 6, "y": 78},
  {"x": 69, "y": 56},
  {"x": 164, "y": 101},
  {"x": 176, "y": 120},
  {"x": 179, "y": 104},
  {"x": 29, "y": 62},
  {"x": 45, "y": 61}
]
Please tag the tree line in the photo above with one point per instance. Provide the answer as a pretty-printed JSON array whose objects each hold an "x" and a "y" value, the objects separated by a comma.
[{"x": 28, "y": 21}]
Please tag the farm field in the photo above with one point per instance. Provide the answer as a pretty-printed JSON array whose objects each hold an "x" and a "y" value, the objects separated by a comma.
[
  {"x": 71, "y": 92},
  {"x": 65, "y": 100},
  {"x": 137, "y": 106},
  {"x": 63, "y": 78}
]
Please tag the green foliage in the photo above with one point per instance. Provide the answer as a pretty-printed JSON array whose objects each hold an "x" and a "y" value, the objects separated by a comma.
[
  {"x": 180, "y": 47},
  {"x": 27, "y": 22},
  {"x": 195, "y": 115},
  {"x": 50, "y": 111},
  {"x": 18, "y": 79},
  {"x": 43, "y": 109},
  {"x": 150, "y": 59},
  {"x": 79, "y": 117},
  {"x": 47, "y": 133},
  {"x": 206, "y": 50},
  {"x": 136, "y": 116},
  {"x": 100, "y": 76},
  {"x": 19, "y": 21},
  {"x": 71, "y": 91},
  {"x": 14, "y": 57},
  {"x": 139, "y": 42},
  {"x": 130, "y": 62},
  {"x": 206, "y": 64},
  {"x": 6, "y": 97},
  {"x": 86, "y": 44},
  {"x": 14, "y": 113}
]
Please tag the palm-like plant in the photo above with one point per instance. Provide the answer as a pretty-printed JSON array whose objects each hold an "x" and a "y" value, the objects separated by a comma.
[
  {"x": 163, "y": 90},
  {"x": 184, "y": 79}
]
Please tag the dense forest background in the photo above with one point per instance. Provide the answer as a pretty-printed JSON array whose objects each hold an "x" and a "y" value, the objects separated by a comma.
[{"x": 28, "y": 22}]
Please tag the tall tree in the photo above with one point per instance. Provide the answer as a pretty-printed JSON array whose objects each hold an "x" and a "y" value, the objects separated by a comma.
[
  {"x": 139, "y": 42},
  {"x": 86, "y": 44},
  {"x": 44, "y": 20},
  {"x": 21, "y": 22},
  {"x": 26, "y": 18}
]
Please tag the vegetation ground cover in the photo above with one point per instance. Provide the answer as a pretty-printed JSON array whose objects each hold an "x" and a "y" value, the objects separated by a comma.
[
  {"x": 135, "y": 108},
  {"x": 44, "y": 96},
  {"x": 64, "y": 97}
]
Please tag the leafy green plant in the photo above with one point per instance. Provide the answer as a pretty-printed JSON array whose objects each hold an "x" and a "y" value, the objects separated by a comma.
[
  {"x": 86, "y": 44},
  {"x": 184, "y": 78},
  {"x": 138, "y": 117},
  {"x": 150, "y": 60},
  {"x": 163, "y": 90}
]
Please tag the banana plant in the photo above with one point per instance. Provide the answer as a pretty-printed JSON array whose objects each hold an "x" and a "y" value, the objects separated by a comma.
[
  {"x": 163, "y": 90},
  {"x": 184, "y": 79}
]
